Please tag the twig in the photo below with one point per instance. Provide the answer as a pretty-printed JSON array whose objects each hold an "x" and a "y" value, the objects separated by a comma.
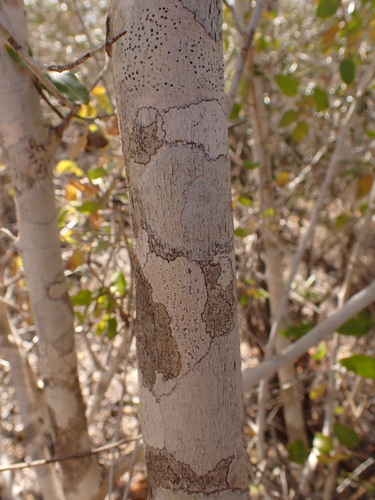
[
  {"x": 362, "y": 299},
  {"x": 37, "y": 67},
  {"x": 242, "y": 56},
  {"x": 236, "y": 21},
  {"x": 8, "y": 233},
  {"x": 97, "y": 61},
  {"x": 361, "y": 468},
  {"x": 59, "y": 68},
  {"x": 94, "y": 451},
  {"x": 335, "y": 159}
]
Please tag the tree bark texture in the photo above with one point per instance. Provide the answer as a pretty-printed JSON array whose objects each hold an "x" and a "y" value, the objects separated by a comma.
[
  {"x": 30, "y": 147},
  {"x": 169, "y": 91}
]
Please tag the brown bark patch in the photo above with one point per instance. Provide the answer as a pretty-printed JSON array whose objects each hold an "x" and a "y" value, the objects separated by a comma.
[
  {"x": 147, "y": 134},
  {"x": 219, "y": 309},
  {"x": 167, "y": 472},
  {"x": 156, "y": 346},
  {"x": 35, "y": 165}
]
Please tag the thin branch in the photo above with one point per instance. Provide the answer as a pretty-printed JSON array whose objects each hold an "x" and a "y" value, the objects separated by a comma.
[
  {"x": 242, "y": 56},
  {"x": 335, "y": 160},
  {"x": 236, "y": 21},
  {"x": 94, "y": 451},
  {"x": 59, "y": 68},
  {"x": 252, "y": 376},
  {"x": 37, "y": 67}
]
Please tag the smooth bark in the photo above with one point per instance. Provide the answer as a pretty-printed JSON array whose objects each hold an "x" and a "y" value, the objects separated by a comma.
[
  {"x": 169, "y": 92},
  {"x": 30, "y": 147}
]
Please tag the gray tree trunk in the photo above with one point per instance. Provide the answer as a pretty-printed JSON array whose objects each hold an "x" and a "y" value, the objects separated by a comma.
[
  {"x": 30, "y": 148},
  {"x": 169, "y": 91}
]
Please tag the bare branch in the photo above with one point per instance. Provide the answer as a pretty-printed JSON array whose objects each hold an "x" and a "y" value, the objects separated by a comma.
[
  {"x": 94, "y": 451},
  {"x": 242, "y": 56},
  {"x": 252, "y": 376}
]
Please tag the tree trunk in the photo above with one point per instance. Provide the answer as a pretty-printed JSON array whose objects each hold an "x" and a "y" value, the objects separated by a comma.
[
  {"x": 169, "y": 90},
  {"x": 290, "y": 389},
  {"x": 30, "y": 148}
]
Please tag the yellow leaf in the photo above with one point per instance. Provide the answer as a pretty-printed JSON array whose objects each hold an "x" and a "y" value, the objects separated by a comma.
[
  {"x": 87, "y": 111},
  {"x": 317, "y": 392},
  {"x": 71, "y": 192},
  {"x": 101, "y": 96},
  {"x": 364, "y": 185},
  {"x": 69, "y": 166},
  {"x": 77, "y": 259},
  {"x": 282, "y": 179},
  {"x": 98, "y": 90}
]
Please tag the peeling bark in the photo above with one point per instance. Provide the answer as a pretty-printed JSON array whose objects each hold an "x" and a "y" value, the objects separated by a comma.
[{"x": 169, "y": 91}]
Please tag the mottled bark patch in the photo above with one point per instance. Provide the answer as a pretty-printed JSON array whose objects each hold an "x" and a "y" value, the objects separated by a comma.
[
  {"x": 219, "y": 308},
  {"x": 35, "y": 165},
  {"x": 156, "y": 346},
  {"x": 147, "y": 134},
  {"x": 58, "y": 289},
  {"x": 167, "y": 472}
]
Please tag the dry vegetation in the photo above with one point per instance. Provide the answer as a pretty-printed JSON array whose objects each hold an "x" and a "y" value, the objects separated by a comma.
[{"x": 97, "y": 243}]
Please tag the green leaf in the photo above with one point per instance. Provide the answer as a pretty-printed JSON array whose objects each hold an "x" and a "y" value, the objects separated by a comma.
[
  {"x": 88, "y": 207},
  {"x": 298, "y": 451},
  {"x": 327, "y": 8},
  {"x": 118, "y": 283},
  {"x": 250, "y": 165},
  {"x": 82, "y": 298},
  {"x": 342, "y": 220},
  {"x": 300, "y": 131},
  {"x": 295, "y": 332},
  {"x": 322, "y": 443},
  {"x": 321, "y": 99},
  {"x": 287, "y": 84},
  {"x": 244, "y": 200},
  {"x": 347, "y": 70},
  {"x": 69, "y": 85},
  {"x": 320, "y": 352},
  {"x": 362, "y": 365},
  {"x": 13, "y": 55},
  {"x": 235, "y": 111},
  {"x": 111, "y": 328},
  {"x": 241, "y": 232},
  {"x": 97, "y": 173},
  {"x": 370, "y": 133},
  {"x": 356, "y": 171},
  {"x": 359, "y": 325},
  {"x": 346, "y": 435},
  {"x": 288, "y": 117}
]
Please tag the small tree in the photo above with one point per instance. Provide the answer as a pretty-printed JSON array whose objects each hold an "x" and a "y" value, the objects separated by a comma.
[{"x": 169, "y": 89}]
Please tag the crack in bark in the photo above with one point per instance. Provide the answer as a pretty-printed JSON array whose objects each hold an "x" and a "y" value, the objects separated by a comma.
[{"x": 207, "y": 14}]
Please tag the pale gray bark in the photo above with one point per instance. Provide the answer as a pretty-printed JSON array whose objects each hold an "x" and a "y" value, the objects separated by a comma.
[
  {"x": 290, "y": 390},
  {"x": 30, "y": 148},
  {"x": 169, "y": 92},
  {"x": 32, "y": 408}
]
